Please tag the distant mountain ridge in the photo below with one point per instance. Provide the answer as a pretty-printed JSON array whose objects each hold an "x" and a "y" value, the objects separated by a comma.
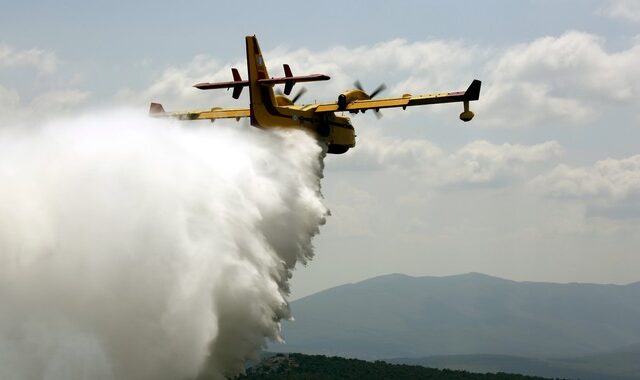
[
  {"x": 609, "y": 366},
  {"x": 402, "y": 316}
]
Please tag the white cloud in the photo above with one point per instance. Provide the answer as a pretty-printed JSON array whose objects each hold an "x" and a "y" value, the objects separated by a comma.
[
  {"x": 9, "y": 100},
  {"x": 563, "y": 80},
  {"x": 50, "y": 103},
  {"x": 59, "y": 100},
  {"x": 380, "y": 152},
  {"x": 625, "y": 9},
  {"x": 45, "y": 62},
  {"x": 417, "y": 67},
  {"x": 420, "y": 66},
  {"x": 607, "y": 181},
  {"x": 485, "y": 162},
  {"x": 476, "y": 163},
  {"x": 569, "y": 78},
  {"x": 355, "y": 208},
  {"x": 175, "y": 85}
]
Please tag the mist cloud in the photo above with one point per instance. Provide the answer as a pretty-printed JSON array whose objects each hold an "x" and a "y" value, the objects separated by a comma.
[{"x": 133, "y": 248}]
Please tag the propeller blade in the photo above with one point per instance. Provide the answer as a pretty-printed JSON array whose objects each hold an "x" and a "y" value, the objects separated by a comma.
[
  {"x": 375, "y": 92},
  {"x": 378, "y": 114},
  {"x": 301, "y": 92}
]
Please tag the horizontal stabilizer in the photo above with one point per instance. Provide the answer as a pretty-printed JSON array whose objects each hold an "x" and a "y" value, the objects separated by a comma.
[
  {"x": 211, "y": 86},
  {"x": 237, "y": 84},
  {"x": 294, "y": 79}
]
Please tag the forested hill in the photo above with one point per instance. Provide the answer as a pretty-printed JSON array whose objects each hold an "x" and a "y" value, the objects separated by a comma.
[{"x": 320, "y": 367}]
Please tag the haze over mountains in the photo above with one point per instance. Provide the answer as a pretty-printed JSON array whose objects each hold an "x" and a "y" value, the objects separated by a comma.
[
  {"x": 398, "y": 316},
  {"x": 622, "y": 364}
]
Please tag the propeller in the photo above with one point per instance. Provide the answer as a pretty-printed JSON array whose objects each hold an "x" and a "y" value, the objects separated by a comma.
[
  {"x": 297, "y": 96},
  {"x": 375, "y": 92},
  {"x": 301, "y": 92}
]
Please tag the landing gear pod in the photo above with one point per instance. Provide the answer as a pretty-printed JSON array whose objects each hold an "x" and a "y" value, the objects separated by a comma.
[{"x": 466, "y": 115}]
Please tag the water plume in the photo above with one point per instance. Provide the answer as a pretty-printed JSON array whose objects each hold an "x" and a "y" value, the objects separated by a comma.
[{"x": 136, "y": 248}]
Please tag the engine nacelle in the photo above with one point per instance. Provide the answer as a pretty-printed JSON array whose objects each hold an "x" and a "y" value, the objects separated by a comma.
[
  {"x": 282, "y": 101},
  {"x": 349, "y": 96},
  {"x": 342, "y": 101}
]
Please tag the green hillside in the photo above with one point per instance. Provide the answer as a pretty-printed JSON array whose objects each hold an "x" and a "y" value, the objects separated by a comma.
[{"x": 318, "y": 367}]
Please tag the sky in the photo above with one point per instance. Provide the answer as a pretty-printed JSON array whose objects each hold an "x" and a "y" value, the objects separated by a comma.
[{"x": 543, "y": 185}]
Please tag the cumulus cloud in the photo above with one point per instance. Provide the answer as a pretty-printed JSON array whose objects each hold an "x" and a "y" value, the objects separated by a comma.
[
  {"x": 569, "y": 79},
  {"x": 556, "y": 80},
  {"x": 486, "y": 162},
  {"x": 413, "y": 66},
  {"x": 49, "y": 101},
  {"x": 625, "y": 9},
  {"x": 43, "y": 61},
  {"x": 478, "y": 163},
  {"x": 417, "y": 67},
  {"x": 55, "y": 102},
  {"x": 175, "y": 84},
  {"x": 608, "y": 181},
  {"x": 9, "y": 101},
  {"x": 59, "y": 100},
  {"x": 559, "y": 79}
]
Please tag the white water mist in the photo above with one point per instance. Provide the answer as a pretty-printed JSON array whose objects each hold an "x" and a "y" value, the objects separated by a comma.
[{"x": 134, "y": 248}]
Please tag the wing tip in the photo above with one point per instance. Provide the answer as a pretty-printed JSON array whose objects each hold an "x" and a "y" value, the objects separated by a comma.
[{"x": 473, "y": 92}]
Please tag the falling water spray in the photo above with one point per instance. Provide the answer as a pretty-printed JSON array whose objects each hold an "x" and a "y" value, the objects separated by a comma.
[{"x": 134, "y": 248}]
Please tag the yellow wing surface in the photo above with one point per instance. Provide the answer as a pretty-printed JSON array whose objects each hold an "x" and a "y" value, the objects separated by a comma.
[
  {"x": 157, "y": 110},
  {"x": 407, "y": 100}
]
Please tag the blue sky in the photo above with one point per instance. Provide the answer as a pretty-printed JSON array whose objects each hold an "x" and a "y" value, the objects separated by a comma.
[{"x": 543, "y": 185}]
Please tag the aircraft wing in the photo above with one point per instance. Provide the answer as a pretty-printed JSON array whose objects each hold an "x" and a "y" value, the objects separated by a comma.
[
  {"x": 156, "y": 110},
  {"x": 472, "y": 93}
]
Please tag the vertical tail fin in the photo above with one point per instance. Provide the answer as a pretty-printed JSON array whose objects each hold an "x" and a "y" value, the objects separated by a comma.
[
  {"x": 156, "y": 108},
  {"x": 262, "y": 97}
]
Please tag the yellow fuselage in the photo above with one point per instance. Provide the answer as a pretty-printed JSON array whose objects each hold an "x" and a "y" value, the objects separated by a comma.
[{"x": 271, "y": 111}]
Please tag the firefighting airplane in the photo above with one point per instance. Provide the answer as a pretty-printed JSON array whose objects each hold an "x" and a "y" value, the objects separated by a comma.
[{"x": 269, "y": 109}]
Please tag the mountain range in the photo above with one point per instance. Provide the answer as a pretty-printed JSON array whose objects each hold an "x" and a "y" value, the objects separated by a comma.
[{"x": 472, "y": 318}]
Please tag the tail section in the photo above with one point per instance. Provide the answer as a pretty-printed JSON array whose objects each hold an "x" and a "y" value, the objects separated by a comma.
[
  {"x": 262, "y": 96},
  {"x": 156, "y": 108}
]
